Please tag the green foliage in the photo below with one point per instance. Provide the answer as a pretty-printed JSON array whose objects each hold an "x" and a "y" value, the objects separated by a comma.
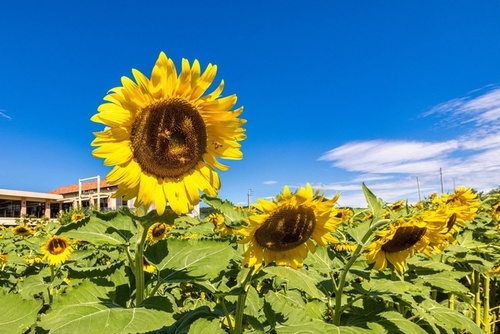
[{"x": 198, "y": 285}]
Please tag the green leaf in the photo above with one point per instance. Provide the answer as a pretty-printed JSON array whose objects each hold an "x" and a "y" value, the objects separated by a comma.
[
  {"x": 323, "y": 261},
  {"x": 253, "y": 303},
  {"x": 17, "y": 315},
  {"x": 374, "y": 204},
  {"x": 452, "y": 319},
  {"x": 88, "y": 309},
  {"x": 114, "y": 228},
  {"x": 386, "y": 322},
  {"x": 226, "y": 208},
  {"x": 188, "y": 259},
  {"x": 357, "y": 232},
  {"x": 297, "y": 279},
  {"x": 95, "y": 271},
  {"x": 394, "y": 322},
  {"x": 35, "y": 284},
  {"x": 204, "y": 326},
  {"x": 313, "y": 327},
  {"x": 446, "y": 281},
  {"x": 182, "y": 325}
]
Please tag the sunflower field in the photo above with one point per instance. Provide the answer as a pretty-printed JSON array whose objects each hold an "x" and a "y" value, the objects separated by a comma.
[{"x": 297, "y": 263}]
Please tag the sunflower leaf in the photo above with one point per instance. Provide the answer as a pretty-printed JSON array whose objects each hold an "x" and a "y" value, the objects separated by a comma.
[
  {"x": 102, "y": 229},
  {"x": 386, "y": 322},
  {"x": 323, "y": 261},
  {"x": 297, "y": 279},
  {"x": 204, "y": 326},
  {"x": 188, "y": 259},
  {"x": 17, "y": 315},
  {"x": 253, "y": 303},
  {"x": 226, "y": 208},
  {"x": 184, "y": 323},
  {"x": 374, "y": 203},
  {"x": 88, "y": 309},
  {"x": 445, "y": 281},
  {"x": 451, "y": 319}
]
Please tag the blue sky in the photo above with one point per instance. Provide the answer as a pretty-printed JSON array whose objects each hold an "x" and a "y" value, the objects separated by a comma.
[{"x": 336, "y": 93}]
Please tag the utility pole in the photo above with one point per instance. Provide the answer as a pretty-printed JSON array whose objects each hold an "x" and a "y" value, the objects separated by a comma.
[
  {"x": 442, "y": 185},
  {"x": 249, "y": 194},
  {"x": 418, "y": 187}
]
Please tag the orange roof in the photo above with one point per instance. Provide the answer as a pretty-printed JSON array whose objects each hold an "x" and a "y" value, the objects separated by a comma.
[{"x": 74, "y": 187}]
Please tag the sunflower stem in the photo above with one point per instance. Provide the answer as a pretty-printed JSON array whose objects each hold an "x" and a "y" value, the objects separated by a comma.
[
  {"x": 139, "y": 267},
  {"x": 477, "y": 299},
  {"x": 339, "y": 288},
  {"x": 486, "y": 303},
  {"x": 240, "y": 307},
  {"x": 226, "y": 313},
  {"x": 49, "y": 288}
]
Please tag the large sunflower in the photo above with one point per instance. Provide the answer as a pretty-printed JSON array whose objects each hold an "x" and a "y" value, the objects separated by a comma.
[
  {"x": 57, "y": 250},
  {"x": 282, "y": 230},
  {"x": 163, "y": 136},
  {"x": 403, "y": 238}
]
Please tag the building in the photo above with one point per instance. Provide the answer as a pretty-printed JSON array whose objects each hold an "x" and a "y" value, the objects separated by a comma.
[
  {"x": 16, "y": 203},
  {"x": 89, "y": 192},
  {"x": 95, "y": 194}
]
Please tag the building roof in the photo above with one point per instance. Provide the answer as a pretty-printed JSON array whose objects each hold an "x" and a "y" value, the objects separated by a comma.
[
  {"x": 85, "y": 186},
  {"x": 30, "y": 194}
]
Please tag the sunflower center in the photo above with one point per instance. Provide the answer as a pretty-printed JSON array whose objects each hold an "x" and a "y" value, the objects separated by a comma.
[
  {"x": 57, "y": 246},
  {"x": 286, "y": 228},
  {"x": 22, "y": 230},
  {"x": 159, "y": 230},
  {"x": 404, "y": 238},
  {"x": 168, "y": 138}
]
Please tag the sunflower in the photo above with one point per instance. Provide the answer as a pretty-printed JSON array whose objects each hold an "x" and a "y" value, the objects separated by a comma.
[
  {"x": 157, "y": 232},
  {"x": 402, "y": 239},
  {"x": 344, "y": 214},
  {"x": 495, "y": 211},
  {"x": 147, "y": 267},
  {"x": 396, "y": 206},
  {"x": 33, "y": 260},
  {"x": 3, "y": 259},
  {"x": 77, "y": 216},
  {"x": 463, "y": 202},
  {"x": 57, "y": 250},
  {"x": 163, "y": 137},
  {"x": 220, "y": 226},
  {"x": 282, "y": 229},
  {"x": 494, "y": 271},
  {"x": 22, "y": 230},
  {"x": 344, "y": 247}
]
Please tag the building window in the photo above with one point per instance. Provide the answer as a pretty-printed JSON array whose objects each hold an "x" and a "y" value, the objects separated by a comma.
[
  {"x": 10, "y": 208},
  {"x": 54, "y": 210},
  {"x": 67, "y": 206},
  {"x": 36, "y": 209}
]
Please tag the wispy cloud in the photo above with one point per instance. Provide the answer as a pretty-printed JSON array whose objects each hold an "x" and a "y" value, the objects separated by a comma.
[
  {"x": 3, "y": 114},
  {"x": 269, "y": 182},
  {"x": 391, "y": 167}
]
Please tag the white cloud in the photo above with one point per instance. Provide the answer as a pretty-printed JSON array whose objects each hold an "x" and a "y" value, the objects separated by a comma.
[
  {"x": 384, "y": 156},
  {"x": 3, "y": 114},
  {"x": 390, "y": 168},
  {"x": 269, "y": 182}
]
